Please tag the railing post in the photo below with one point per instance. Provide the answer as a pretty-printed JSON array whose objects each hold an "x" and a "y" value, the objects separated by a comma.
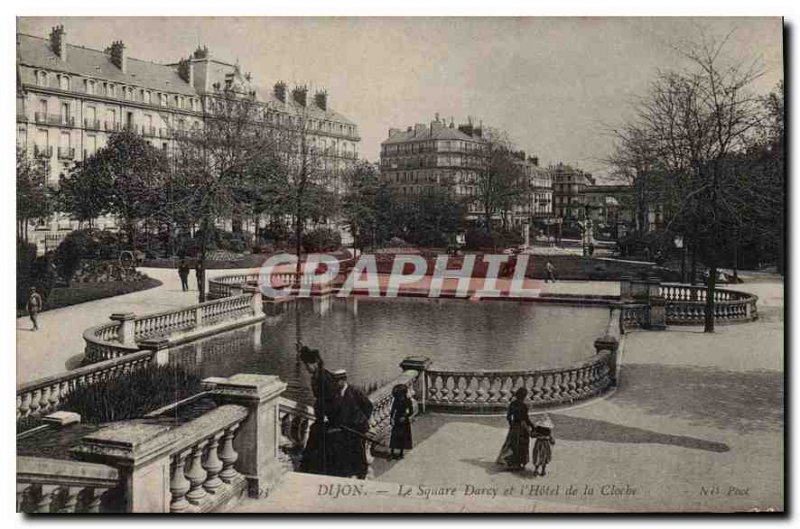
[
  {"x": 198, "y": 316},
  {"x": 419, "y": 364},
  {"x": 127, "y": 327},
  {"x": 256, "y": 441},
  {"x": 160, "y": 348},
  {"x": 141, "y": 455},
  {"x": 255, "y": 299},
  {"x": 657, "y": 319},
  {"x": 625, "y": 288}
]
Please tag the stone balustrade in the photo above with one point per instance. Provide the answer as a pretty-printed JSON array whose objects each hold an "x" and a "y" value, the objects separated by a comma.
[
  {"x": 635, "y": 316},
  {"x": 226, "y": 286},
  {"x": 686, "y": 305},
  {"x": 191, "y": 467},
  {"x": 128, "y": 332},
  {"x": 47, "y": 485},
  {"x": 492, "y": 391},
  {"x": 42, "y": 396}
]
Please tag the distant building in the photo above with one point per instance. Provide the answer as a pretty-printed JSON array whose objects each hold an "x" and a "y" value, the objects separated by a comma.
[
  {"x": 423, "y": 156},
  {"x": 569, "y": 191},
  {"x": 611, "y": 208},
  {"x": 70, "y": 99}
]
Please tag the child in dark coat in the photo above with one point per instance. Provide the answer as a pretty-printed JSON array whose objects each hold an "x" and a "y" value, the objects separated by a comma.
[{"x": 402, "y": 410}]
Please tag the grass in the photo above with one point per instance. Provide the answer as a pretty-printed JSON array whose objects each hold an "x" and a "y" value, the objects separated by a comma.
[
  {"x": 134, "y": 395},
  {"x": 83, "y": 292}
]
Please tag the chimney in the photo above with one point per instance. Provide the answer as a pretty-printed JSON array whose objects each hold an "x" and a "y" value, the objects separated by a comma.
[
  {"x": 58, "y": 42},
  {"x": 201, "y": 53},
  {"x": 118, "y": 55},
  {"x": 186, "y": 70},
  {"x": 299, "y": 94},
  {"x": 394, "y": 132},
  {"x": 419, "y": 128},
  {"x": 321, "y": 99},
  {"x": 535, "y": 160},
  {"x": 279, "y": 90},
  {"x": 409, "y": 129}
]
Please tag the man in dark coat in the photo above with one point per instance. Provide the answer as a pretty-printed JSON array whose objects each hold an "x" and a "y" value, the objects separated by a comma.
[
  {"x": 348, "y": 418},
  {"x": 183, "y": 273},
  {"x": 316, "y": 454}
]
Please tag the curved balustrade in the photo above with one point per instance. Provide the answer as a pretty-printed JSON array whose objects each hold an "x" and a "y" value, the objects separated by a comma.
[
  {"x": 686, "y": 305},
  {"x": 492, "y": 391},
  {"x": 62, "y": 486},
  {"x": 105, "y": 342},
  {"x": 43, "y": 396},
  {"x": 225, "y": 286}
]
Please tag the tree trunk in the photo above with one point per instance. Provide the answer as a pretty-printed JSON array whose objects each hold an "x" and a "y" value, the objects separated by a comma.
[
  {"x": 298, "y": 246},
  {"x": 201, "y": 282},
  {"x": 693, "y": 268}
]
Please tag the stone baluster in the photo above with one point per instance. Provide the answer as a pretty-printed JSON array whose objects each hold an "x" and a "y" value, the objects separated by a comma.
[
  {"x": 196, "y": 474},
  {"x": 70, "y": 499},
  {"x": 178, "y": 484},
  {"x": 212, "y": 464},
  {"x": 46, "y": 496},
  {"x": 228, "y": 455},
  {"x": 95, "y": 500}
]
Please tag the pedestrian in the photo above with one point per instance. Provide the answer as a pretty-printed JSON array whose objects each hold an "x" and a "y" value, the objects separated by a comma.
[
  {"x": 514, "y": 454},
  {"x": 34, "y": 306},
  {"x": 400, "y": 417},
  {"x": 542, "y": 451},
  {"x": 551, "y": 272},
  {"x": 183, "y": 273},
  {"x": 348, "y": 424},
  {"x": 316, "y": 457},
  {"x": 200, "y": 272}
]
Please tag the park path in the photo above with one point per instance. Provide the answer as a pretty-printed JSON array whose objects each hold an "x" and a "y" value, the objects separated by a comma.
[{"x": 59, "y": 342}]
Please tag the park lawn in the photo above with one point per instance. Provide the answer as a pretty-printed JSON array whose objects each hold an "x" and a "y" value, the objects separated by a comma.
[{"x": 83, "y": 292}]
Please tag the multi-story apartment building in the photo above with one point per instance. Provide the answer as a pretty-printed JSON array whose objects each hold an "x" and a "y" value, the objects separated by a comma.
[
  {"x": 424, "y": 156},
  {"x": 70, "y": 99},
  {"x": 538, "y": 202},
  {"x": 569, "y": 191}
]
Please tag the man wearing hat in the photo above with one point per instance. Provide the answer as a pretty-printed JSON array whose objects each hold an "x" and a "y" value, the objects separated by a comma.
[
  {"x": 33, "y": 307},
  {"x": 317, "y": 455},
  {"x": 348, "y": 418}
]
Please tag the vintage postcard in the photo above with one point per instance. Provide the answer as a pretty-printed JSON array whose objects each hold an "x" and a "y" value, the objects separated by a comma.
[{"x": 400, "y": 265}]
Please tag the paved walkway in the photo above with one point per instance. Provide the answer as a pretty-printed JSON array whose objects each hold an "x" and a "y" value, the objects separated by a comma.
[{"x": 58, "y": 344}]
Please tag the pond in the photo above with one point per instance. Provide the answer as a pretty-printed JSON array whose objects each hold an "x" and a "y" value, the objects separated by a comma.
[{"x": 369, "y": 337}]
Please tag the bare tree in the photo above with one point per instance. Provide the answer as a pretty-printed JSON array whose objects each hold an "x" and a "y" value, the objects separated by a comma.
[{"x": 681, "y": 141}]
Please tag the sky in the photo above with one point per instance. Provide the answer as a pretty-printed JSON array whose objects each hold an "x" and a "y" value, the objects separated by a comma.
[{"x": 555, "y": 85}]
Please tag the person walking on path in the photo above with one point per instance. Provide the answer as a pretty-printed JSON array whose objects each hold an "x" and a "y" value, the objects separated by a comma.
[
  {"x": 402, "y": 410},
  {"x": 551, "y": 272},
  {"x": 183, "y": 273},
  {"x": 34, "y": 306},
  {"x": 200, "y": 272},
  {"x": 542, "y": 451},
  {"x": 514, "y": 454}
]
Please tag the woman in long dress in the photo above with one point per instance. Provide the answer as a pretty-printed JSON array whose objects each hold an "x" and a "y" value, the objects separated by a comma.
[
  {"x": 402, "y": 410},
  {"x": 542, "y": 448},
  {"x": 514, "y": 453}
]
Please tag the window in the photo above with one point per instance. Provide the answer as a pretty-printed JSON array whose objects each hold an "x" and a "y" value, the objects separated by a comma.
[
  {"x": 43, "y": 108},
  {"x": 41, "y": 78},
  {"x": 163, "y": 100},
  {"x": 111, "y": 90},
  {"x": 147, "y": 97},
  {"x": 63, "y": 82},
  {"x": 22, "y": 138},
  {"x": 64, "y": 112},
  {"x": 91, "y": 145}
]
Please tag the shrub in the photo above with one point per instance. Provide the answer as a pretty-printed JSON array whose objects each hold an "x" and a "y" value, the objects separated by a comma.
[
  {"x": 320, "y": 240},
  {"x": 85, "y": 244},
  {"x": 132, "y": 395},
  {"x": 32, "y": 271}
]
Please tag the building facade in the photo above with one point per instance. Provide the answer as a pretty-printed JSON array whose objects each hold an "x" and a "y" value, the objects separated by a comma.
[
  {"x": 569, "y": 191},
  {"x": 70, "y": 99}
]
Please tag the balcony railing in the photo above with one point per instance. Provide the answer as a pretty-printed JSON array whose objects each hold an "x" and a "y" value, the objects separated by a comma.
[
  {"x": 54, "y": 119},
  {"x": 45, "y": 152},
  {"x": 66, "y": 153},
  {"x": 112, "y": 126},
  {"x": 91, "y": 124}
]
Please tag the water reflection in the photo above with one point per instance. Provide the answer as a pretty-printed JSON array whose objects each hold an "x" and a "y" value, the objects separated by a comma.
[{"x": 370, "y": 337}]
